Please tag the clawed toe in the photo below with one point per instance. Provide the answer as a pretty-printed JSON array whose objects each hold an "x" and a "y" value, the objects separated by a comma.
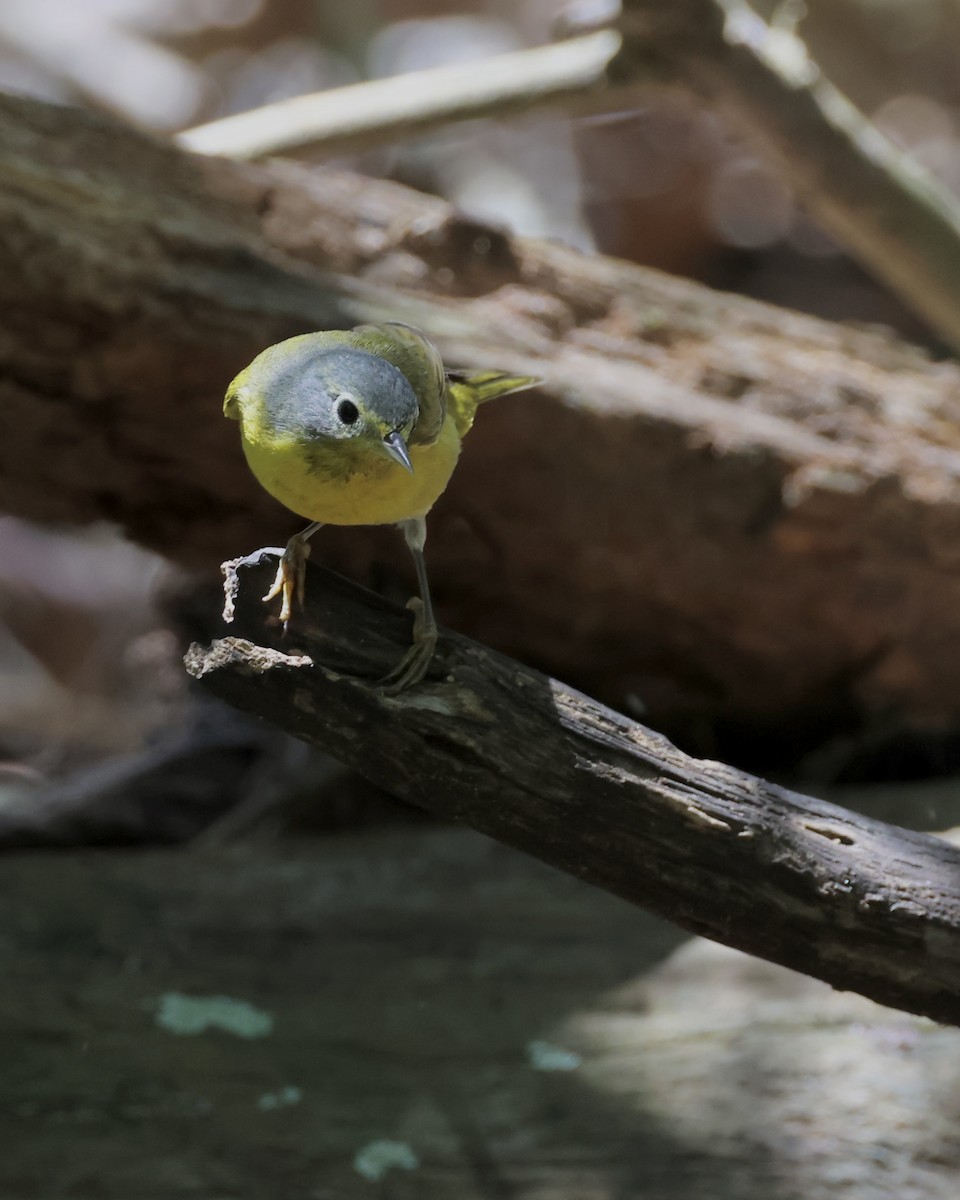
[
  {"x": 411, "y": 668},
  {"x": 290, "y": 580},
  {"x": 414, "y": 664}
]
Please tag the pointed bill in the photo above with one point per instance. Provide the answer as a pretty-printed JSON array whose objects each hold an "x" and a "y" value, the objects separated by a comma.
[{"x": 396, "y": 447}]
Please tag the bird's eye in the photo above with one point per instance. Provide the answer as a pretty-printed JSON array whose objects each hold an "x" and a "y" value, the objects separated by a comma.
[{"x": 348, "y": 412}]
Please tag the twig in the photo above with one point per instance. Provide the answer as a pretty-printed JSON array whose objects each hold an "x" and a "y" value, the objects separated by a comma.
[
  {"x": 345, "y": 120},
  {"x": 862, "y": 905}
]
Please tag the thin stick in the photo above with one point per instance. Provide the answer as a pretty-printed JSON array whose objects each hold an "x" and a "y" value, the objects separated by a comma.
[{"x": 343, "y": 120}]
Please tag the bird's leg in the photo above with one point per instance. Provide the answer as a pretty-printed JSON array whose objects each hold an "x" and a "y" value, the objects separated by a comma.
[
  {"x": 291, "y": 572},
  {"x": 413, "y": 666}
]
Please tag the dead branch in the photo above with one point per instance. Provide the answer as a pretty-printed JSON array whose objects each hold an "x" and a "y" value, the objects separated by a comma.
[
  {"x": 862, "y": 905},
  {"x": 897, "y": 218},
  {"x": 571, "y": 75}
]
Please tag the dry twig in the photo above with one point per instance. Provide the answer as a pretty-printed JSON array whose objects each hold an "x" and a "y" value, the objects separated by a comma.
[{"x": 571, "y": 74}]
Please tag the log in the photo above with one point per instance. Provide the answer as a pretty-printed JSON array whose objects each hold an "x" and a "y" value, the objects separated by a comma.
[
  {"x": 744, "y": 517},
  {"x": 864, "y": 906},
  {"x": 435, "y": 1010}
]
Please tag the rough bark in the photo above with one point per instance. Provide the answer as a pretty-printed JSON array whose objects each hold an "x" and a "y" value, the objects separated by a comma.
[
  {"x": 743, "y": 516},
  {"x": 862, "y": 905},
  {"x": 520, "y": 1035}
]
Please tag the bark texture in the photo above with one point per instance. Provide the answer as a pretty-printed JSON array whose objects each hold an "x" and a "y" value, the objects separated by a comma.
[
  {"x": 862, "y": 905},
  {"x": 742, "y": 516}
]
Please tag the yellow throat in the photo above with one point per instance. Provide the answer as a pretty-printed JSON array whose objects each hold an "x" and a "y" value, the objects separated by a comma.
[{"x": 352, "y": 484}]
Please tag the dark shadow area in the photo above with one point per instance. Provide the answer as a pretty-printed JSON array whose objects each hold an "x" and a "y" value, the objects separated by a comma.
[{"x": 410, "y": 983}]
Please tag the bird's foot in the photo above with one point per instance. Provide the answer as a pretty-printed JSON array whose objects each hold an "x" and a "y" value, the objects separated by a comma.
[
  {"x": 290, "y": 580},
  {"x": 413, "y": 666}
]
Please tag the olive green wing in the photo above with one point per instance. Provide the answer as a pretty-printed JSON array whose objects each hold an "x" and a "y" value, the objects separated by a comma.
[
  {"x": 418, "y": 358},
  {"x": 469, "y": 389},
  {"x": 436, "y": 388}
]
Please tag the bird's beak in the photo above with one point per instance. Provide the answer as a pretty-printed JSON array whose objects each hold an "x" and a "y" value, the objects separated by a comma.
[{"x": 396, "y": 447}]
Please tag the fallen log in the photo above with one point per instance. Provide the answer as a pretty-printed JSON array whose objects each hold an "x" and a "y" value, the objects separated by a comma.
[{"x": 745, "y": 517}]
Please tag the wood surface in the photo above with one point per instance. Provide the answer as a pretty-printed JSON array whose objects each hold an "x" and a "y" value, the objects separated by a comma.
[{"x": 863, "y": 905}]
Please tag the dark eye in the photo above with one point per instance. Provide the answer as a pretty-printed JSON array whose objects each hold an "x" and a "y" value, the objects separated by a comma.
[{"x": 348, "y": 412}]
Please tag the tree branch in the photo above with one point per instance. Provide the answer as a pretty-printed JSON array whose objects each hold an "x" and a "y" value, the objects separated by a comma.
[
  {"x": 571, "y": 74},
  {"x": 862, "y": 905},
  {"x": 889, "y": 212}
]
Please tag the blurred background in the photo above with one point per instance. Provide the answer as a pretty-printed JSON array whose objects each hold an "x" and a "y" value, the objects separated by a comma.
[{"x": 103, "y": 700}]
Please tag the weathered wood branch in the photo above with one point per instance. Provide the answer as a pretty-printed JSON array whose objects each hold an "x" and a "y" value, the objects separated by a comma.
[
  {"x": 860, "y": 904},
  {"x": 887, "y": 210},
  {"x": 571, "y": 74},
  {"x": 743, "y": 515}
]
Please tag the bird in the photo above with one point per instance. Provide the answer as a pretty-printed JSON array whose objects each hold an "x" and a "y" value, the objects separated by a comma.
[{"x": 359, "y": 427}]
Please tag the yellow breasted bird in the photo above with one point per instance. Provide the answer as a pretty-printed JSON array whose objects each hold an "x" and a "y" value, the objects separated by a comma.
[{"x": 359, "y": 427}]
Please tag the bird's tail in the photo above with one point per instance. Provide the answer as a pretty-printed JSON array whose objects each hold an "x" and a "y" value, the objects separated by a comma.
[{"x": 468, "y": 390}]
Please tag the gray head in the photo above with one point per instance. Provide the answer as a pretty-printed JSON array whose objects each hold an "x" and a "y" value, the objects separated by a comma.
[{"x": 311, "y": 393}]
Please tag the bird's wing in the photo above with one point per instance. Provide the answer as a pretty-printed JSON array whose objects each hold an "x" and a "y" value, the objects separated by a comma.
[{"x": 469, "y": 389}]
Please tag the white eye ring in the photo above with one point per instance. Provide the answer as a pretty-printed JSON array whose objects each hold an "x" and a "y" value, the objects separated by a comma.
[{"x": 347, "y": 410}]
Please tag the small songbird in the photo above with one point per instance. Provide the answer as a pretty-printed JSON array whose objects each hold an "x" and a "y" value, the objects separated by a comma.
[{"x": 359, "y": 427}]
